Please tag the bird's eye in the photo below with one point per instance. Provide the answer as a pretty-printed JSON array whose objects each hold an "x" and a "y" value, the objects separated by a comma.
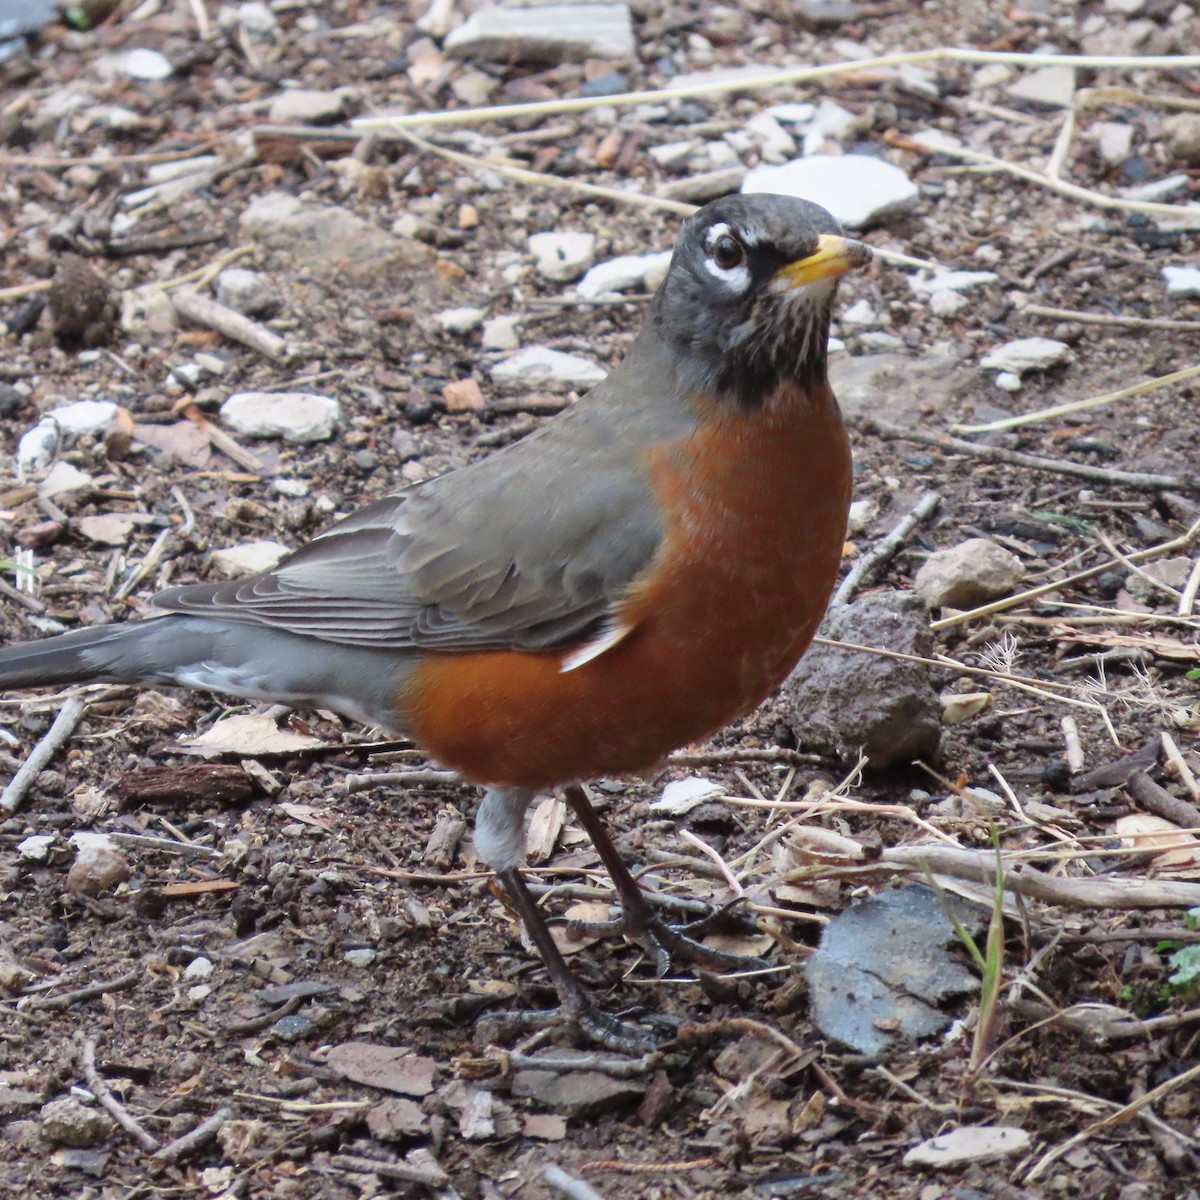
[{"x": 727, "y": 252}]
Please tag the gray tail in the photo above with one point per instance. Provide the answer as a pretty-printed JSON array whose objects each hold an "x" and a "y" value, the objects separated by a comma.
[{"x": 105, "y": 654}]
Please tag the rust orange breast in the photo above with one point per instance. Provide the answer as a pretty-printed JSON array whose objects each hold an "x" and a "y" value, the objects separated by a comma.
[{"x": 754, "y": 507}]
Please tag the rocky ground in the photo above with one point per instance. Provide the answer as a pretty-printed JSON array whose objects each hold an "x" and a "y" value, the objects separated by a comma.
[{"x": 228, "y": 962}]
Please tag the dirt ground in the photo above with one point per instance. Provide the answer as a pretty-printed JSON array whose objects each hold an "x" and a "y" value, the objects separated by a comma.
[{"x": 286, "y": 912}]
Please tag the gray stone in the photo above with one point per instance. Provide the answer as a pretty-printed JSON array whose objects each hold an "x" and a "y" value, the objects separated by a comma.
[
  {"x": 299, "y": 417},
  {"x": 886, "y": 965},
  {"x": 1053, "y": 87},
  {"x": 562, "y": 257},
  {"x": 330, "y": 241},
  {"x": 857, "y": 189},
  {"x": 25, "y": 16},
  {"x": 98, "y": 867},
  {"x": 554, "y": 33},
  {"x": 577, "y": 1093},
  {"x": 247, "y": 292},
  {"x": 68, "y": 1122},
  {"x": 897, "y": 387},
  {"x": 971, "y": 573},
  {"x": 844, "y": 702},
  {"x": 1026, "y": 355},
  {"x": 539, "y": 365},
  {"x": 1183, "y": 135},
  {"x": 307, "y": 106}
]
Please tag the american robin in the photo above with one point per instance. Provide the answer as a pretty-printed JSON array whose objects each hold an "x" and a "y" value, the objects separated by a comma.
[{"x": 645, "y": 567}]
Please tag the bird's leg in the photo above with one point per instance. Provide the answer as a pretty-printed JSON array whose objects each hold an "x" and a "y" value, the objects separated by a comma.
[
  {"x": 639, "y": 921},
  {"x": 500, "y": 840}
]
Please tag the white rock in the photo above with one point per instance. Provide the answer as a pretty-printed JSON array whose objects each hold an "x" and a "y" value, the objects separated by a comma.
[
  {"x": 777, "y": 144},
  {"x": 862, "y": 513},
  {"x": 860, "y": 313},
  {"x": 539, "y": 365},
  {"x": 36, "y": 449},
  {"x": 680, "y": 796},
  {"x": 141, "y": 64},
  {"x": 1007, "y": 381},
  {"x": 1051, "y": 86},
  {"x": 1182, "y": 281},
  {"x": 500, "y": 333},
  {"x": 199, "y": 968},
  {"x": 671, "y": 153},
  {"x": 84, "y": 416},
  {"x": 1113, "y": 140},
  {"x": 361, "y": 957},
  {"x": 248, "y": 558},
  {"x": 1128, "y": 8},
  {"x": 621, "y": 274},
  {"x": 720, "y": 154},
  {"x": 947, "y": 304},
  {"x": 855, "y": 188},
  {"x": 950, "y": 281},
  {"x": 791, "y": 114},
  {"x": 876, "y": 339},
  {"x": 970, "y": 1144},
  {"x": 554, "y": 33},
  {"x": 293, "y": 488},
  {"x": 937, "y": 139},
  {"x": 63, "y": 477},
  {"x": 1027, "y": 354},
  {"x": 1158, "y": 189},
  {"x": 990, "y": 76},
  {"x": 831, "y": 121},
  {"x": 460, "y": 320},
  {"x": 306, "y": 106},
  {"x": 294, "y": 416},
  {"x": 562, "y": 257},
  {"x": 198, "y": 992},
  {"x": 247, "y": 292},
  {"x": 258, "y": 18},
  {"x": 36, "y": 848}
]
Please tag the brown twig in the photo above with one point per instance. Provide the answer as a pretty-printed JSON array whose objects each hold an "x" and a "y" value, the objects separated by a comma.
[
  {"x": 229, "y": 323},
  {"x": 431, "y": 1176},
  {"x": 1091, "y": 318},
  {"x": 66, "y": 999},
  {"x": 1138, "y": 480},
  {"x": 1161, "y": 803},
  {"x": 887, "y": 548},
  {"x": 101, "y": 1091},
  {"x": 181, "y": 1147}
]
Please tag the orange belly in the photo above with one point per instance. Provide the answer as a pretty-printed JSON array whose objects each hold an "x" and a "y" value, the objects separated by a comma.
[{"x": 754, "y": 511}]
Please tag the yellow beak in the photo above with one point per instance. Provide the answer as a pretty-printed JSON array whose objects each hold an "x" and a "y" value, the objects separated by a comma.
[{"x": 834, "y": 256}]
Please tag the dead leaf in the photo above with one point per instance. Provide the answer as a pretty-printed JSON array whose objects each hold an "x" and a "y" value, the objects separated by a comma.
[
  {"x": 748, "y": 945},
  {"x": 544, "y": 827},
  {"x": 307, "y": 815},
  {"x": 1145, "y": 831},
  {"x": 248, "y": 734},
  {"x": 548, "y": 1127},
  {"x": 584, "y": 910},
  {"x": 388, "y": 1067},
  {"x": 183, "y": 440},
  {"x": 108, "y": 529},
  {"x": 962, "y": 706}
]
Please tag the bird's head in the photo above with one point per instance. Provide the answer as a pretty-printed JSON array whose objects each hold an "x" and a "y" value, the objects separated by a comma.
[{"x": 747, "y": 299}]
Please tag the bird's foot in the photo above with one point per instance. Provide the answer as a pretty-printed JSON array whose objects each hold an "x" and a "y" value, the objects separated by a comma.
[{"x": 664, "y": 942}]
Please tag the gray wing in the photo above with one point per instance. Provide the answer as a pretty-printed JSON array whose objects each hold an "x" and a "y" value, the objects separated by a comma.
[{"x": 511, "y": 552}]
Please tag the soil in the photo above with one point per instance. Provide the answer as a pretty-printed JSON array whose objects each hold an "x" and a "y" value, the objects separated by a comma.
[{"x": 226, "y": 981}]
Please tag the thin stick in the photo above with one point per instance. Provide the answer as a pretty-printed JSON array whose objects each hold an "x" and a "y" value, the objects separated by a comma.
[
  {"x": 705, "y": 849},
  {"x": 786, "y": 76},
  {"x": 1178, "y": 765},
  {"x": 193, "y": 1140},
  {"x": 1062, "y": 146},
  {"x": 101, "y": 988},
  {"x": 568, "y": 1185},
  {"x": 415, "y": 778},
  {"x": 985, "y": 610},
  {"x": 1120, "y": 1117},
  {"x": 228, "y": 323},
  {"x": 1073, "y": 406},
  {"x": 1138, "y": 480},
  {"x": 1112, "y": 319},
  {"x": 886, "y": 549},
  {"x": 1187, "y": 599},
  {"x": 68, "y": 717},
  {"x": 101, "y": 1091},
  {"x": 1074, "y": 749},
  {"x": 1161, "y": 803},
  {"x": 432, "y": 1176}
]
